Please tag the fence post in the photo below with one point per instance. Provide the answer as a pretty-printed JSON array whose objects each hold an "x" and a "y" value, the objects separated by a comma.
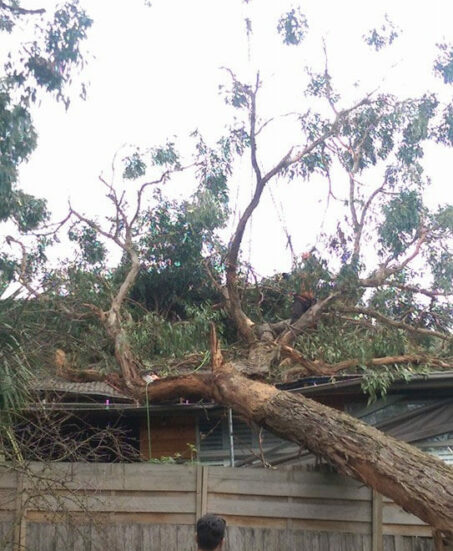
[
  {"x": 202, "y": 490},
  {"x": 19, "y": 542},
  {"x": 198, "y": 494},
  {"x": 376, "y": 522}
]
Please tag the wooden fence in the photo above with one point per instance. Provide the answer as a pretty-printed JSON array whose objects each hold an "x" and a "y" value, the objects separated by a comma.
[{"x": 149, "y": 507}]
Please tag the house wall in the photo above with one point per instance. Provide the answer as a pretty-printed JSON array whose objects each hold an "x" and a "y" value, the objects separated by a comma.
[
  {"x": 149, "y": 507},
  {"x": 168, "y": 436}
]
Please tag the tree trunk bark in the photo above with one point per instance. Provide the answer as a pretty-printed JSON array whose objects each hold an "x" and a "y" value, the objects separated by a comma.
[
  {"x": 421, "y": 484},
  {"x": 123, "y": 352}
]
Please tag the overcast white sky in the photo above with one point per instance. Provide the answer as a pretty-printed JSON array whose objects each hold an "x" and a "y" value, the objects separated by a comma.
[{"x": 153, "y": 72}]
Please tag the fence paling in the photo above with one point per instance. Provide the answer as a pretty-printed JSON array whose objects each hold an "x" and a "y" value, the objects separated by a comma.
[{"x": 279, "y": 506}]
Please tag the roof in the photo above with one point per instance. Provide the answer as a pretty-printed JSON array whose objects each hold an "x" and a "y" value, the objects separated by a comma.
[
  {"x": 351, "y": 384},
  {"x": 316, "y": 387},
  {"x": 54, "y": 384}
]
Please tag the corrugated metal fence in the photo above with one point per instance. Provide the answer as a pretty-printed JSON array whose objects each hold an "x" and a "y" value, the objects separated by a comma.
[{"x": 149, "y": 507}]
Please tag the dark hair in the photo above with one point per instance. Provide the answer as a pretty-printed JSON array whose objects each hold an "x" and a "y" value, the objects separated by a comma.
[{"x": 210, "y": 531}]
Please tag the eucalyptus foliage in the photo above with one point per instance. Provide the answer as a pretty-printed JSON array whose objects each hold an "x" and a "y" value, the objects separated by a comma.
[
  {"x": 44, "y": 65},
  {"x": 387, "y": 266}
]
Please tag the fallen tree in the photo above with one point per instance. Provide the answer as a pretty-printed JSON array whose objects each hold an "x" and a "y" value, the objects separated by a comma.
[
  {"x": 420, "y": 483},
  {"x": 376, "y": 143}
]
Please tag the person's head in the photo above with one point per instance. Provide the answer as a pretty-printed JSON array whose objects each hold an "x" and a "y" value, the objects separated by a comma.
[{"x": 210, "y": 532}]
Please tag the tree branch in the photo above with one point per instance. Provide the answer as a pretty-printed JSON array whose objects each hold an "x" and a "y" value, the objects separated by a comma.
[
  {"x": 308, "y": 319},
  {"x": 242, "y": 321},
  {"x": 216, "y": 352},
  {"x": 21, "y": 11},
  {"x": 272, "y": 119},
  {"x": 392, "y": 323},
  {"x": 140, "y": 192},
  {"x": 411, "y": 288},
  {"x": 196, "y": 385},
  {"x": 284, "y": 163},
  {"x": 23, "y": 279},
  {"x": 97, "y": 228},
  {"x": 253, "y": 95},
  {"x": 317, "y": 367},
  {"x": 361, "y": 223},
  {"x": 385, "y": 271}
]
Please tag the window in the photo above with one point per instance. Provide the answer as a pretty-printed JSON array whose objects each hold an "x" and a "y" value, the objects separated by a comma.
[{"x": 214, "y": 441}]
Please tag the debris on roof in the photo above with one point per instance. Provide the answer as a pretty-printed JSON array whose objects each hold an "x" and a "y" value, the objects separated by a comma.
[{"x": 98, "y": 388}]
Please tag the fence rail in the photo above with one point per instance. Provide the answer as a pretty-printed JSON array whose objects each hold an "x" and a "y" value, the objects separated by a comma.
[{"x": 148, "y": 507}]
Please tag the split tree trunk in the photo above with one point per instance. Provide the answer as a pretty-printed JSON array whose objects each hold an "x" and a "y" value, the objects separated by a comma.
[{"x": 123, "y": 351}]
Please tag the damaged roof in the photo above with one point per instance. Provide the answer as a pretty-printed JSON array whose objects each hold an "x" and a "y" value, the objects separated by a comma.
[
  {"x": 55, "y": 384},
  {"x": 440, "y": 381}
]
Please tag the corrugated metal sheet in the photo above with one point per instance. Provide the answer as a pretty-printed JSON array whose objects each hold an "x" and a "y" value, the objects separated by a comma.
[
  {"x": 97, "y": 388},
  {"x": 351, "y": 384}
]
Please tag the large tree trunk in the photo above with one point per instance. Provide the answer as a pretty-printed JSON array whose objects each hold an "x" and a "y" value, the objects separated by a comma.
[{"x": 421, "y": 484}]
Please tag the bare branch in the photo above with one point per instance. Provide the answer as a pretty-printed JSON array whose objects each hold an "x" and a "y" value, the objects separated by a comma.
[
  {"x": 56, "y": 226},
  {"x": 318, "y": 367},
  {"x": 391, "y": 322},
  {"x": 21, "y": 11},
  {"x": 308, "y": 319},
  {"x": 386, "y": 271},
  {"x": 140, "y": 192},
  {"x": 330, "y": 194},
  {"x": 214, "y": 282},
  {"x": 253, "y": 95},
  {"x": 411, "y": 288},
  {"x": 369, "y": 201},
  {"x": 355, "y": 220},
  {"x": 23, "y": 279},
  {"x": 272, "y": 119},
  {"x": 422, "y": 238},
  {"x": 97, "y": 228},
  {"x": 118, "y": 203},
  {"x": 327, "y": 78},
  {"x": 359, "y": 225}
]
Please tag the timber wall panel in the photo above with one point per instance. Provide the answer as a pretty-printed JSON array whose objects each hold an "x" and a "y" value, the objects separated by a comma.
[
  {"x": 285, "y": 483},
  {"x": 280, "y": 507},
  {"x": 113, "y": 476},
  {"x": 151, "y": 507},
  {"x": 6, "y": 535},
  {"x": 394, "y": 514},
  {"x": 175, "y": 503}
]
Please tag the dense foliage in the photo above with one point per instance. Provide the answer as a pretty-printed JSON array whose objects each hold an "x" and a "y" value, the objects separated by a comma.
[
  {"x": 44, "y": 65},
  {"x": 387, "y": 267}
]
